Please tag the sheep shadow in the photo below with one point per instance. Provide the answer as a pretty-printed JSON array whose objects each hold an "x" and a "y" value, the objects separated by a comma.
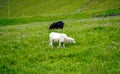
[{"x": 67, "y": 45}]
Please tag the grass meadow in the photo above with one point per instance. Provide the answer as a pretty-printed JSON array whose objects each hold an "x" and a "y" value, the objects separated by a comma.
[{"x": 24, "y": 48}]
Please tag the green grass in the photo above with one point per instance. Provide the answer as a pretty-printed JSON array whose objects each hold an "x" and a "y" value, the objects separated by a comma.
[
  {"x": 23, "y": 20},
  {"x": 22, "y": 12},
  {"x": 82, "y": 15},
  {"x": 24, "y": 37},
  {"x": 20, "y": 8},
  {"x": 24, "y": 48},
  {"x": 98, "y": 5}
]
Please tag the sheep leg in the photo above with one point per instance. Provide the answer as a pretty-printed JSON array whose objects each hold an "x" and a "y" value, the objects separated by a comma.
[
  {"x": 63, "y": 45},
  {"x": 51, "y": 43},
  {"x": 59, "y": 44}
]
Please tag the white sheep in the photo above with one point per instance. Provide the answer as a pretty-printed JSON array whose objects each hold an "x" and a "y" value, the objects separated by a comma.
[{"x": 61, "y": 38}]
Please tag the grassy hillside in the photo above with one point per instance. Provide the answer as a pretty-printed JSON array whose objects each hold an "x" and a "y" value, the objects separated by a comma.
[
  {"x": 52, "y": 10},
  {"x": 24, "y": 48},
  {"x": 99, "y": 5},
  {"x": 22, "y": 8},
  {"x": 24, "y": 37}
]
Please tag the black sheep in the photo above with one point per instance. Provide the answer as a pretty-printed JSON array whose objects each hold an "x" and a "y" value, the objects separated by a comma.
[{"x": 57, "y": 25}]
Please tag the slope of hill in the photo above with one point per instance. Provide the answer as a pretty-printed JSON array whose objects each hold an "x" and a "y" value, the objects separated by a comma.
[
  {"x": 100, "y": 5},
  {"x": 22, "y": 8},
  {"x": 52, "y": 10},
  {"x": 24, "y": 48},
  {"x": 38, "y": 7}
]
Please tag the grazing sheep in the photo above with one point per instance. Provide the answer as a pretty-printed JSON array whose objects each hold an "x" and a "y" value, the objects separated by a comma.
[
  {"x": 59, "y": 37},
  {"x": 57, "y": 25}
]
